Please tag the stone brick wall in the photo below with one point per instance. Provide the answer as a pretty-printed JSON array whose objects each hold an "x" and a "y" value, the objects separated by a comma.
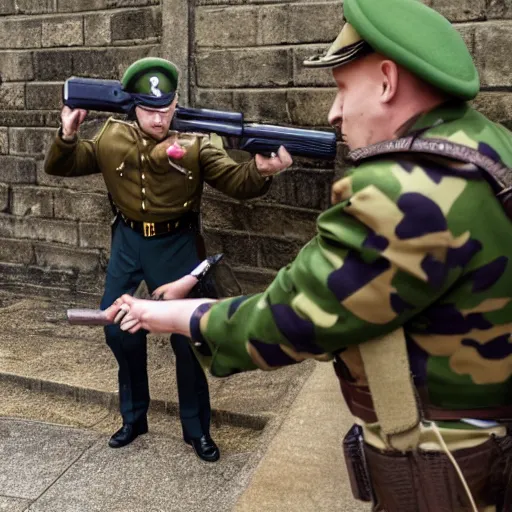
[
  {"x": 55, "y": 232},
  {"x": 243, "y": 55}
]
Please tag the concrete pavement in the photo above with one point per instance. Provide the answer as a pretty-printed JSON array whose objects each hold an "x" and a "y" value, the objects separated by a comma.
[{"x": 280, "y": 433}]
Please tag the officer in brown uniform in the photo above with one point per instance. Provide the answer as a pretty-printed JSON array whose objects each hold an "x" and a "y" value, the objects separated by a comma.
[{"x": 155, "y": 234}]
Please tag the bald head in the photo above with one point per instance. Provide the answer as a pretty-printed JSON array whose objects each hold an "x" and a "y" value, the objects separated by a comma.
[{"x": 376, "y": 97}]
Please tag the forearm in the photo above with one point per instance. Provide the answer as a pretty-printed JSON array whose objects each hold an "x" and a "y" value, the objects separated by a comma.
[
  {"x": 237, "y": 180},
  {"x": 169, "y": 316}
]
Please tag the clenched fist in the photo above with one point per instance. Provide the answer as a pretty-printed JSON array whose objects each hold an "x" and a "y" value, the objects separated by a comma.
[{"x": 71, "y": 121}]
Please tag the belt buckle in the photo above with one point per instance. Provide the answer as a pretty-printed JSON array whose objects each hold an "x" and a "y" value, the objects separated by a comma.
[{"x": 148, "y": 229}]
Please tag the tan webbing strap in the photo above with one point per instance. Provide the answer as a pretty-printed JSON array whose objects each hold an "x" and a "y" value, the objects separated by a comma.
[{"x": 387, "y": 368}]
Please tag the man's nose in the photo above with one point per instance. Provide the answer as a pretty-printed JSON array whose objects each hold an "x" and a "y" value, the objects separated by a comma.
[{"x": 336, "y": 113}]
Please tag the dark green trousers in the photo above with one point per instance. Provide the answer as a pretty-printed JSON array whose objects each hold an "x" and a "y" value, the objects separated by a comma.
[{"x": 156, "y": 260}]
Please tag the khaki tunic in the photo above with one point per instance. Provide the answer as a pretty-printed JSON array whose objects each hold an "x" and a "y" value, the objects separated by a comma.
[{"x": 144, "y": 183}]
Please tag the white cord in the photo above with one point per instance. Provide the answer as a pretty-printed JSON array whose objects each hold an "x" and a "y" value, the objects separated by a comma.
[{"x": 455, "y": 465}]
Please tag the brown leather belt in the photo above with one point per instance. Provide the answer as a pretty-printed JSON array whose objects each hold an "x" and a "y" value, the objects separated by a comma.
[
  {"x": 360, "y": 403},
  {"x": 150, "y": 229}
]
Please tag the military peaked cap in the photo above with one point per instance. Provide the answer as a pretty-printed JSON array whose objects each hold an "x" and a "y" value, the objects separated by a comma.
[{"x": 409, "y": 33}]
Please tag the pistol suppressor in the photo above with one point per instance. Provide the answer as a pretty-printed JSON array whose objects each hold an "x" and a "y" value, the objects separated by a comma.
[{"x": 87, "y": 317}]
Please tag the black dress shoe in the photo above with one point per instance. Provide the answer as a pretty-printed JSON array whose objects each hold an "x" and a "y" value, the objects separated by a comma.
[
  {"x": 127, "y": 433},
  {"x": 205, "y": 448}
]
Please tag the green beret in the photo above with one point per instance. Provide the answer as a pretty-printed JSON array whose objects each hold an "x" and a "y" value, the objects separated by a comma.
[
  {"x": 412, "y": 35},
  {"x": 151, "y": 76}
]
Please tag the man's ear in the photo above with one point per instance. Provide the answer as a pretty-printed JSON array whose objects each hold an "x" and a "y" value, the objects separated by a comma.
[{"x": 389, "y": 76}]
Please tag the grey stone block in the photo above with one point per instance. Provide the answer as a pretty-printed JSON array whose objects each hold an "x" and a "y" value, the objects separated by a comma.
[
  {"x": 246, "y": 68},
  {"x": 268, "y": 25},
  {"x": 30, "y": 275},
  {"x": 216, "y": 99},
  {"x": 94, "y": 235},
  {"x": 108, "y": 64},
  {"x": 220, "y": 214},
  {"x": 12, "y": 96},
  {"x": 274, "y": 21},
  {"x": 31, "y": 201},
  {"x": 93, "y": 5},
  {"x": 79, "y": 205},
  {"x": 23, "y": 118},
  {"x": 492, "y": 53},
  {"x": 30, "y": 141},
  {"x": 495, "y": 105},
  {"x": 314, "y": 22},
  {"x": 302, "y": 188},
  {"x": 497, "y": 9},
  {"x": 53, "y": 65},
  {"x": 97, "y": 30},
  {"x": 17, "y": 170},
  {"x": 16, "y": 66},
  {"x": 292, "y": 223},
  {"x": 4, "y": 141},
  {"x": 19, "y": 252},
  {"x": 263, "y": 106},
  {"x": 35, "y": 6},
  {"x": 8, "y": 7},
  {"x": 237, "y": 247},
  {"x": 7, "y": 225},
  {"x": 303, "y": 76},
  {"x": 233, "y": 26},
  {"x": 310, "y": 107},
  {"x": 461, "y": 10},
  {"x": 46, "y": 230},
  {"x": 136, "y": 24},
  {"x": 24, "y": 33},
  {"x": 253, "y": 280},
  {"x": 60, "y": 257},
  {"x": 44, "y": 96},
  {"x": 91, "y": 283},
  {"x": 62, "y": 32},
  {"x": 4, "y": 198}
]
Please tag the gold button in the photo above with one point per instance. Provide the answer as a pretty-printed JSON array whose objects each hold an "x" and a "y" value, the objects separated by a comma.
[
  {"x": 143, "y": 205},
  {"x": 185, "y": 204},
  {"x": 143, "y": 190},
  {"x": 143, "y": 177},
  {"x": 142, "y": 158},
  {"x": 191, "y": 177},
  {"x": 145, "y": 142}
]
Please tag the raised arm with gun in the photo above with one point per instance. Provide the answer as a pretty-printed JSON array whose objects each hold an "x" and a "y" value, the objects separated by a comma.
[
  {"x": 407, "y": 284},
  {"x": 109, "y": 96},
  {"x": 155, "y": 178}
]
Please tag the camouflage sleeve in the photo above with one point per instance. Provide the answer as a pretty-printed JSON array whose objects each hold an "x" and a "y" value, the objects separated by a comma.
[
  {"x": 70, "y": 159},
  {"x": 381, "y": 255},
  {"x": 237, "y": 180}
]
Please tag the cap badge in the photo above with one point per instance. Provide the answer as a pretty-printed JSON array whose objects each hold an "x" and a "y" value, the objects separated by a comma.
[{"x": 154, "y": 81}]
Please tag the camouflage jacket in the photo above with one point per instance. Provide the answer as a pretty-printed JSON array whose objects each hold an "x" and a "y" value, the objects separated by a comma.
[
  {"x": 418, "y": 243},
  {"x": 144, "y": 183}
]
